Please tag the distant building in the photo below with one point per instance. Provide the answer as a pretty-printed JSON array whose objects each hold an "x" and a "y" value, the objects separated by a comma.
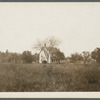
[
  {"x": 50, "y": 56},
  {"x": 44, "y": 55}
]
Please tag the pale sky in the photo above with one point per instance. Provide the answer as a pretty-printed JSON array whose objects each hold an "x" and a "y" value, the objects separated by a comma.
[{"x": 77, "y": 25}]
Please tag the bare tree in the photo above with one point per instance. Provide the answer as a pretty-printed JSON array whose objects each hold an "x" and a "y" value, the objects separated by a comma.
[
  {"x": 38, "y": 45},
  {"x": 49, "y": 42},
  {"x": 52, "y": 42}
]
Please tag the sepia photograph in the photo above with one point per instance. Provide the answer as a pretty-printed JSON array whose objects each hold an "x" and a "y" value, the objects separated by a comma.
[{"x": 49, "y": 47}]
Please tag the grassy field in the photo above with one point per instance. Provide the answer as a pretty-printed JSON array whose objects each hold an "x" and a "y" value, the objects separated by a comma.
[{"x": 49, "y": 77}]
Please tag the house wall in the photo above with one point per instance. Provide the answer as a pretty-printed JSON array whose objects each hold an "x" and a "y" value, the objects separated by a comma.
[{"x": 42, "y": 57}]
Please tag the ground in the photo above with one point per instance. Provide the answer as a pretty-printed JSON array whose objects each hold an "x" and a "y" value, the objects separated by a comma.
[{"x": 49, "y": 77}]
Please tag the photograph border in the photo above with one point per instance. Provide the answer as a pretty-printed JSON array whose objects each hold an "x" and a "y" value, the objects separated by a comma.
[{"x": 50, "y": 95}]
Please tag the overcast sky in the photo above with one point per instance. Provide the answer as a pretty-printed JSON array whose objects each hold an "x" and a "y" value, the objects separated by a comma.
[{"x": 77, "y": 25}]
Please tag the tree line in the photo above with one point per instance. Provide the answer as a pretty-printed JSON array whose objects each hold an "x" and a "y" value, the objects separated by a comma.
[
  {"x": 27, "y": 57},
  {"x": 86, "y": 57},
  {"x": 24, "y": 57},
  {"x": 10, "y": 57},
  {"x": 51, "y": 43}
]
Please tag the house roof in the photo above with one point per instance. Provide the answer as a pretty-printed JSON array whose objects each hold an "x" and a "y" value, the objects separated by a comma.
[
  {"x": 45, "y": 49},
  {"x": 53, "y": 50}
]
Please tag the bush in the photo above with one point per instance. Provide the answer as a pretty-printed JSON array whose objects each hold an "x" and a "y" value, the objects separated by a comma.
[
  {"x": 44, "y": 61},
  {"x": 27, "y": 57}
]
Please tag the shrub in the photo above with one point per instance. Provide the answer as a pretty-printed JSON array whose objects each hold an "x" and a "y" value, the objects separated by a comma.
[
  {"x": 44, "y": 61},
  {"x": 27, "y": 57}
]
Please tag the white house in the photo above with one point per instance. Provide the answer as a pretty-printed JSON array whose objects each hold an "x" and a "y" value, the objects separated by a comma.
[
  {"x": 49, "y": 55},
  {"x": 44, "y": 55}
]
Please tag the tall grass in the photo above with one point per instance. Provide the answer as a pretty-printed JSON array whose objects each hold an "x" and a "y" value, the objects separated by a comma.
[{"x": 49, "y": 77}]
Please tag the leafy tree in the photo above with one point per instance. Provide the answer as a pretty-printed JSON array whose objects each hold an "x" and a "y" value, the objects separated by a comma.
[
  {"x": 86, "y": 56},
  {"x": 60, "y": 55},
  {"x": 57, "y": 55},
  {"x": 96, "y": 55},
  {"x": 10, "y": 57},
  {"x": 76, "y": 57},
  {"x": 36, "y": 57},
  {"x": 14, "y": 58},
  {"x": 27, "y": 57}
]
